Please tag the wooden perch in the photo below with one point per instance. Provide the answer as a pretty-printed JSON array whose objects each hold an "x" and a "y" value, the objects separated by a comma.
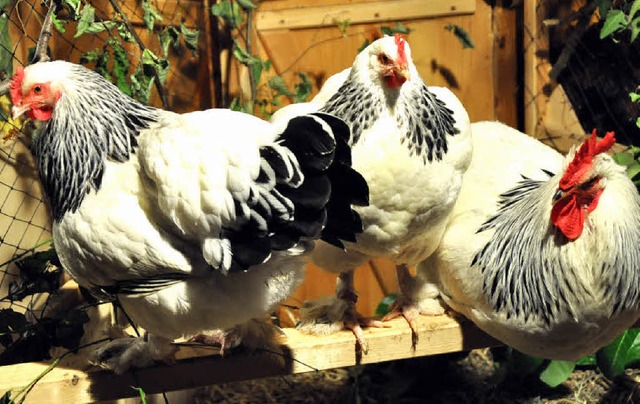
[{"x": 200, "y": 366}]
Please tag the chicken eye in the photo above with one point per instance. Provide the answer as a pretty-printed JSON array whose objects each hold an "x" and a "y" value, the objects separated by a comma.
[
  {"x": 37, "y": 89},
  {"x": 384, "y": 59}
]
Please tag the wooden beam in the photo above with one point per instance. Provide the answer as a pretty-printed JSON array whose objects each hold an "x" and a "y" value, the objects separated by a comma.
[
  {"x": 199, "y": 366},
  {"x": 356, "y": 13}
]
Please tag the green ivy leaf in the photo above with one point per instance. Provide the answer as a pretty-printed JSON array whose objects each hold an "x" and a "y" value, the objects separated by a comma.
[
  {"x": 589, "y": 360},
  {"x": 615, "y": 21},
  {"x": 121, "y": 65},
  {"x": 230, "y": 12},
  {"x": 10, "y": 321},
  {"x": 190, "y": 37},
  {"x": 100, "y": 58},
  {"x": 73, "y": 6},
  {"x": 635, "y": 28},
  {"x": 634, "y": 97},
  {"x": 638, "y": 122},
  {"x": 557, "y": 372},
  {"x": 141, "y": 85},
  {"x": 169, "y": 37},
  {"x": 87, "y": 17},
  {"x": 635, "y": 7},
  {"x": 624, "y": 158},
  {"x": 364, "y": 45},
  {"x": 6, "y": 398},
  {"x": 242, "y": 56},
  {"x": 623, "y": 351},
  {"x": 6, "y": 49},
  {"x": 302, "y": 88},
  {"x": 246, "y": 4},
  {"x": 150, "y": 15},
  {"x": 160, "y": 65},
  {"x": 237, "y": 105},
  {"x": 633, "y": 170},
  {"x": 604, "y": 7},
  {"x": 399, "y": 28},
  {"x": 342, "y": 25},
  {"x": 277, "y": 84},
  {"x": 59, "y": 24},
  {"x": 384, "y": 306},
  {"x": 247, "y": 59},
  {"x": 100, "y": 26},
  {"x": 462, "y": 35},
  {"x": 124, "y": 33}
]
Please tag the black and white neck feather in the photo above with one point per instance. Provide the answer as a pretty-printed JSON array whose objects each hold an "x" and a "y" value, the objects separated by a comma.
[
  {"x": 93, "y": 121},
  {"x": 424, "y": 120}
]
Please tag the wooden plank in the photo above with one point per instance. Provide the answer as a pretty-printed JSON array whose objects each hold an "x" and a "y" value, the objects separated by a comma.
[
  {"x": 200, "y": 366},
  {"x": 356, "y": 13},
  {"x": 536, "y": 66},
  {"x": 505, "y": 78}
]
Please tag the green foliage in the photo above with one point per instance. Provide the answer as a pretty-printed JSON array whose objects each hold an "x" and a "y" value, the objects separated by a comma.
[
  {"x": 557, "y": 372},
  {"x": 230, "y": 12},
  {"x": 26, "y": 337},
  {"x": 618, "y": 21},
  {"x": 142, "y": 394},
  {"x": 190, "y": 37},
  {"x": 630, "y": 158},
  {"x": 6, "y": 57},
  {"x": 152, "y": 63},
  {"x": 342, "y": 25},
  {"x": 612, "y": 360},
  {"x": 384, "y": 306},
  {"x": 114, "y": 62},
  {"x": 622, "y": 352},
  {"x": 462, "y": 35},
  {"x": 399, "y": 28},
  {"x": 39, "y": 273},
  {"x": 302, "y": 88},
  {"x": 149, "y": 15},
  {"x": 6, "y": 398}
]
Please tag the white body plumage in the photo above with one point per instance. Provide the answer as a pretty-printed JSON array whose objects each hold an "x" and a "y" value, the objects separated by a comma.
[
  {"x": 128, "y": 229},
  {"x": 574, "y": 297}
]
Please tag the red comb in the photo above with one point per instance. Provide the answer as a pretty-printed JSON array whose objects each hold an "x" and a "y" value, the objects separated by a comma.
[
  {"x": 16, "y": 83},
  {"x": 583, "y": 159},
  {"x": 400, "y": 42}
]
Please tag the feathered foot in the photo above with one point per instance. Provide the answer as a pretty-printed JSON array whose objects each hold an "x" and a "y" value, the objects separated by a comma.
[
  {"x": 254, "y": 335},
  {"x": 330, "y": 315},
  {"x": 123, "y": 354},
  {"x": 406, "y": 307}
]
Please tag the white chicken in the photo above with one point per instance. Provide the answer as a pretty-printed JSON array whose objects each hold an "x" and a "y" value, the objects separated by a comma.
[
  {"x": 194, "y": 222},
  {"x": 541, "y": 251},
  {"x": 412, "y": 144}
]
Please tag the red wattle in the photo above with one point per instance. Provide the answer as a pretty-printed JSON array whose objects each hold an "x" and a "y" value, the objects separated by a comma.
[{"x": 569, "y": 216}]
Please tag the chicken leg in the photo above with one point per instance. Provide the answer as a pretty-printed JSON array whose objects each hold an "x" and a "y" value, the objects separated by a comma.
[
  {"x": 123, "y": 354},
  {"x": 406, "y": 304},
  {"x": 330, "y": 315}
]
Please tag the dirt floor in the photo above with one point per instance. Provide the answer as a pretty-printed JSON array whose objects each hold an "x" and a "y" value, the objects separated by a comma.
[{"x": 455, "y": 378}]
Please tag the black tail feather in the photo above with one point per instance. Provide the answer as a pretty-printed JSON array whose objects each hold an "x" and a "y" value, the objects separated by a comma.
[
  {"x": 320, "y": 143},
  {"x": 306, "y": 189}
]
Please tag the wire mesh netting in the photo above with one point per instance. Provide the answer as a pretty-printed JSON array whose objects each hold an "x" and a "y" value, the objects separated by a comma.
[
  {"x": 153, "y": 50},
  {"x": 579, "y": 80}
]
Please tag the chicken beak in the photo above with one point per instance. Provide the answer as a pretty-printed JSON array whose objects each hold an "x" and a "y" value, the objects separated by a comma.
[
  {"x": 18, "y": 110},
  {"x": 404, "y": 73}
]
